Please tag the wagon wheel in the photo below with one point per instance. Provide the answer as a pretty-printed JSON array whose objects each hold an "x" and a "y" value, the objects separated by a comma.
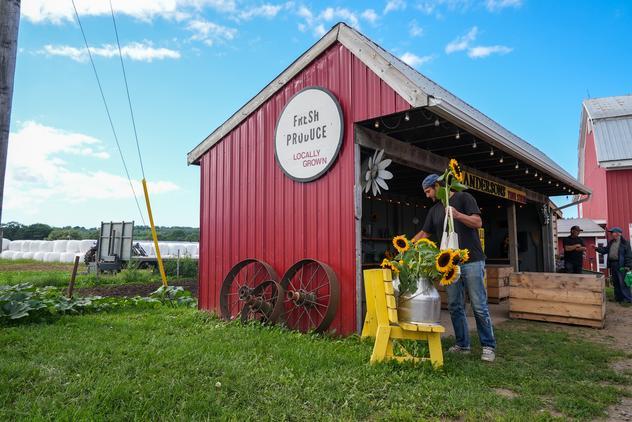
[
  {"x": 260, "y": 303},
  {"x": 243, "y": 283},
  {"x": 312, "y": 295}
]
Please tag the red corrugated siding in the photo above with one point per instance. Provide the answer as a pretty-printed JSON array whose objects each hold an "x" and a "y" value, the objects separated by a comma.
[
  {"x": 250, "y": 209},
  {"x": 590, "y": 258},
  {"x": 619, "y": 184},
  {"x": 595, "y": 178}
]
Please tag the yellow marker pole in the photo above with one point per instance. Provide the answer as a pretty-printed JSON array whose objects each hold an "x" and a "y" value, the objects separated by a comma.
[{"x": 154, "y": 236}]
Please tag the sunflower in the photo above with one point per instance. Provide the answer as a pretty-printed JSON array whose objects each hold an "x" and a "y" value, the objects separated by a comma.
[
  {"x": 456, "y": 171},
  {"x": 400, "y": 243},
  {"x": 401, "y": 262},
  {"x": 451, "y": 275},
  {"x": 426, "y": 241},
  {"x": 443, "y": 260},
  {"x": 465, "y": 255},
  {"x": 385, "y": 263},
  {"x": 455, "y": 258}
]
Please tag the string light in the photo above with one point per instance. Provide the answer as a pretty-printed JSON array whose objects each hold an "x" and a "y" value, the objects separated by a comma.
[
  {"x": 407, "y": 117},
  {"x": 540, "y": 178},
  {"x": 491, "y": 152},
  {"x": 474, "y": 144},
  {"x": 458, "y": 135},
  {"x": 437, "y": 123},
  {"x": 501, "y": 160},
  {"x": 549, "y": 182},
  {"x": 376, "y": 124},
  {"x": 517, "y": 165},
  {"x": 536, "y": 174},
  {"x": 526, "y": 171}
]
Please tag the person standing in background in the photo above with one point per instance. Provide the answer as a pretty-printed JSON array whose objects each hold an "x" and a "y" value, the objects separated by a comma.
[
  {"x": 619, "y": 256},
  {"x": 574, "y": 251}
]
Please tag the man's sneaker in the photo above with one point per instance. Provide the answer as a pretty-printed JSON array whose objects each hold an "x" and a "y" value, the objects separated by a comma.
[
  {"x": 489, "y": 354},
  {"x": 458, "y": 349}
]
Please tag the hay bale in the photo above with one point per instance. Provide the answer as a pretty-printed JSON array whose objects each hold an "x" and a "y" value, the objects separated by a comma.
[
  {"x": 60, "y": 246},
  {"x": 16, "y": 245},
  {"x": 7, "y": 254},
  {"x": 27, "y": 255},
  {"x": 73, "y": 246},
  {"x": 46, "y": 246},
  {"x": 17, "y": 255},
  {"x": 39, "y": 256},
  {"x": 67, "y": 257},
  {"x": 5, "y": 244},
  {"x": 52, "y": 257},
  {"x": 85, "y": 245}
]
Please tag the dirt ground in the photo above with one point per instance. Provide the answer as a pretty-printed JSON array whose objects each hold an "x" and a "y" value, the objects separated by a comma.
[
  {"x": 36, "y": 266},
  {"x": 135, "y": 289}
]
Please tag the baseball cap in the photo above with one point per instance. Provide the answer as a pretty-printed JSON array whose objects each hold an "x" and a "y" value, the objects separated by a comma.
[
  {"x": 429, "y": 181},
  {"x": 615, "y": 230},
  {"x": 576, "y": 228}
]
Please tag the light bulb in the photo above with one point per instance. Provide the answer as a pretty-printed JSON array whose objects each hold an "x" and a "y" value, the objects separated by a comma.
[
  {"x": 474, "y": 144},
  {"x": 407, "y": 117},
  {"x": 517, "y": 166},
  {"x": 501, "y": 160},
  {"x": 458, "y": 135},
  {"x": 491, "y": 152},
  {"x": 526, "y": 171},
  {"x": 376, "y": 124},
  {"x": 437, "y": 123}
]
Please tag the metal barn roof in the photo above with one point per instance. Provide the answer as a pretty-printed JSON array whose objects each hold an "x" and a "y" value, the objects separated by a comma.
[
  {"x": 589, "y": 227},
  {"x": 412, "y": 86},
  {"x": 611, "y": 120}
]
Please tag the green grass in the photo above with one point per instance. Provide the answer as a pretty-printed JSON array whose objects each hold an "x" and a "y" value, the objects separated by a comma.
[
  {"x": 41, "y": 274},
  {"x": 165, "y": 364}
]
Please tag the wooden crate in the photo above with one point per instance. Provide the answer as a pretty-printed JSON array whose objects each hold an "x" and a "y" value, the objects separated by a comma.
[
  {"x": 497, "y": 281},
  {"x": 566, "y": 298}
]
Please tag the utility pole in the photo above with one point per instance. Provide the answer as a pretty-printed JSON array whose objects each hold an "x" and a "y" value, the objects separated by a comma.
[{"x": 9, "y": 23}]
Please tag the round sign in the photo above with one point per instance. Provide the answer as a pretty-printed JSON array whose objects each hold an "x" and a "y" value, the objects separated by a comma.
[{"x": 309, "y": 134}]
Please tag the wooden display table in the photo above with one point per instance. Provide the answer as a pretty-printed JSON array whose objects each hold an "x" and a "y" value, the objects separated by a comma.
[{"x": 558, "y": 297}]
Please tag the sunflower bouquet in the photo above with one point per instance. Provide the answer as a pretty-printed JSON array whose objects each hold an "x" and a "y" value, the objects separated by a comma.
[
  {"x": 423, "y": 259},
  {"x": 453, "y": 178}
]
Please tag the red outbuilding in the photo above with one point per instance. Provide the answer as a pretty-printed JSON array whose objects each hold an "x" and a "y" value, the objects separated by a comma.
[
  {"x": 283, "y": 195},
  {"x": 605, "y": 161},
  {"x": 592, "y": 234}
]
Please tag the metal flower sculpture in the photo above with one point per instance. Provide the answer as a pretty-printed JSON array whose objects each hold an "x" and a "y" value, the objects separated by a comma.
[{"x": 376, "y": 174}]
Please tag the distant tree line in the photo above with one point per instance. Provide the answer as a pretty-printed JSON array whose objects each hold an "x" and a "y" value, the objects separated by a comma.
[{"x": 16, "y": 231}]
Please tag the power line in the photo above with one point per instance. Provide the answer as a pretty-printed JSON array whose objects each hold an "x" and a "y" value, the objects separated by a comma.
[
  {"x": 129, "y": 100},
  {"x": 107, "y": 110}
]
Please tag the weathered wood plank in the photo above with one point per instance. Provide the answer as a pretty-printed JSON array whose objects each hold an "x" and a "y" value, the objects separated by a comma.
[
  {"x": 498, "y": 282},
  {"x": 557, "y": 281},
  {"x": 584, "y": 297},
  {"x": 498, "y": 271},
  {"x": 555, "y": 308},
  {"x": 596, "y": 323}
]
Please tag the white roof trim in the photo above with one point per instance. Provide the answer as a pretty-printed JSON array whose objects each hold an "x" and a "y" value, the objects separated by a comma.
[
  {"x": 403, "y": 80},
  {"x": 616, "y": 164}
]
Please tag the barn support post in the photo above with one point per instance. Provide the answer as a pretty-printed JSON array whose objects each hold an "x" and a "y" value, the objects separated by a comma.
[
  {"x": 513, "y": 236},
  {"x": 357, "y": 191}
]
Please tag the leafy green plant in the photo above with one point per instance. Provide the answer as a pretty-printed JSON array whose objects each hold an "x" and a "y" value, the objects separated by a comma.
[
  {"x": 188, "y": 267},
  {"x": 24, "y": 303}
]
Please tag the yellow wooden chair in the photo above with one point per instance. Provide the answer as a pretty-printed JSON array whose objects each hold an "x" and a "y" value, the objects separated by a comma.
[{"x": 381, "y": 322}]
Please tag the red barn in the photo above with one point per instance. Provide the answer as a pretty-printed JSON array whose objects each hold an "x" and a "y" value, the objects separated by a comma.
[
  {"x": 282, "y": 180},
  {"x": 605, "y": 161},
  {"x": 592, "y": 234}
]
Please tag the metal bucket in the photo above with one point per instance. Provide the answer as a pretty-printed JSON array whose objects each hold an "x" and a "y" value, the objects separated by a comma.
[{"x": 422, "y": 306}]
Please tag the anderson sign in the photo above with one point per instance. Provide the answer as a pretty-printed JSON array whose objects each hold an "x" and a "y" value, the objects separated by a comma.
[
  {"x": 494, "y": 188},
  {"x": 309, "y": 134}
]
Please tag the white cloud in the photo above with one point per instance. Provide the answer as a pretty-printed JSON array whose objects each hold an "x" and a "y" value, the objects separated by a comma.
[
  {"x": 484, "y": 51},
  {"x": 415, "y": 30},
  {"x": 210, "y": 32},
  {"x": 462, "y": 43},
  {"x": 394, "y": 5},
  {"x": 413, "y": 60},
  {"x": 37, "y": 170},
  {"x": 317, "y": 22},
  {"x": 265, "y": 10},
  {"x": 133, "y": 51},
  {"x": 494, "y": 5},
  {"x": 369, "y": 15},
  {"x": 57, "y": 12}
]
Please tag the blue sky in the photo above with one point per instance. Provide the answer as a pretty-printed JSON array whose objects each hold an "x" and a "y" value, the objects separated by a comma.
[{"x": 192, "y": 63}]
